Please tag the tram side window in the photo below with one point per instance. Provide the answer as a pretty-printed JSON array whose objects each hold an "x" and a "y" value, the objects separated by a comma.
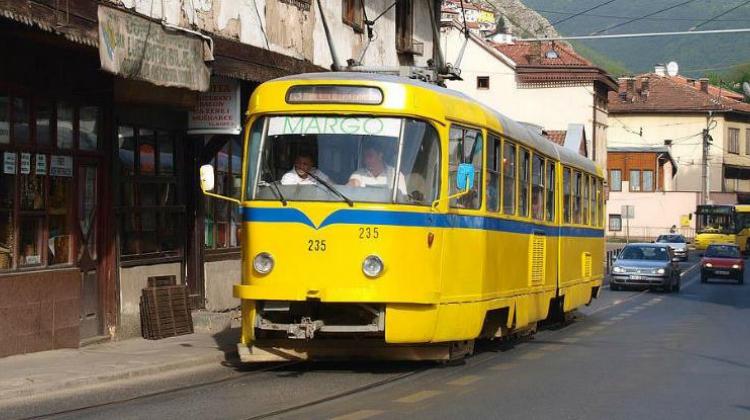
[
  {"x": 420, "y": 163},
  {"x": 523, "y": 183},
  {"x": 601, "y": 204},
  {"x": 537, "y": 188},
  {"x": 566, "y": 195},
  {"x": 594, "y": 202},
  {"x": 550, "y": 191},
  {"x": 509, "y": 178},
  {"x": 465, "y": 146},
  {"x": 493, "y": 174},
  {"x": 585, "y": 207},
  {"x": 577, "y": 184}
]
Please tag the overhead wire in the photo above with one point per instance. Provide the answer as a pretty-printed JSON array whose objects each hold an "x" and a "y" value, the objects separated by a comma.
[
  {"x": 575, "y": 15},
  {"x": 712, "y": 19},
  {"x": 629, "y": 21},
  {"x": 669, "y": 19}
]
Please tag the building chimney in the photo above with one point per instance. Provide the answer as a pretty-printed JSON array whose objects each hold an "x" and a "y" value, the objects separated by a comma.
[
  {"x": 660, "y": 70},
  {"x": 704, "y": 85},
  {"x": 630, "y": 83}
]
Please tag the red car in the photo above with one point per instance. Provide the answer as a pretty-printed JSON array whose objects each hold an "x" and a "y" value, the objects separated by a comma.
[{"x": 723, "y": 261}]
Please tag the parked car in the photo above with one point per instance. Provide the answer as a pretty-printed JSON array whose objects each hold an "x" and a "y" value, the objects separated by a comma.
[
  {"x": 646, "y": 266},
  {"x": 677, "y": 242},
  {"x": 723, "y": 261}
]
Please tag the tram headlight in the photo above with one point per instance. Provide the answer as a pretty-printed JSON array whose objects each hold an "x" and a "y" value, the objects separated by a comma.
[
  {"x": 263, "y": 263},
  {"x": 372, "y": 266}
]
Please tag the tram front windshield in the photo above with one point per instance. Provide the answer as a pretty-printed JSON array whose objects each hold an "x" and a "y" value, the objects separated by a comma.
[
  {"x": 344, "y": 158},
  {"x": 716, "y": 223}
]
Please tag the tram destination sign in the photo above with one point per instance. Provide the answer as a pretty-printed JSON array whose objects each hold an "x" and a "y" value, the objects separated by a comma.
[
  {"x": 136, "y": 48},
  {"x": 361, "y": 126}
]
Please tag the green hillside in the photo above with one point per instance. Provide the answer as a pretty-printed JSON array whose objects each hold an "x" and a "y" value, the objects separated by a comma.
[{"x": 697, "y": 54}]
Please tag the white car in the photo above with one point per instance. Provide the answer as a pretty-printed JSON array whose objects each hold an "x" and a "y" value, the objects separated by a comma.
[{"x": 677, "y": 242}]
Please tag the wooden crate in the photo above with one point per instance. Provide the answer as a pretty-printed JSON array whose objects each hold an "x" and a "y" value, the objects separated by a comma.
[{"x": 165, "y": 312}]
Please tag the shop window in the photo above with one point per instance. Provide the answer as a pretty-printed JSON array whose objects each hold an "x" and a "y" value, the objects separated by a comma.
[
  {"x": 465, "y": 146},
  {"x": 65, "y": 125},
  {"x": 150, "y": 208},
  {"x": 351, "y": 14},
  {"x": 221, "y": 222},
  {"x": 88, "y": 128},
  {"x": 7, "y": 227},
  {"x": 43, "y": 112},
  {"x": 494, "y": 150},
  {"x": 615, "y": 222},
  {"x": 550, "y": 191},
  {"x": 523, "y": 183},
  {"x": 537, "y": 188},
  {"x": 509, "y": 178},
  {"x": 21, "y": 118},
  {"x": 567, "y": 195},
  {"x": 4, "y": 119}
]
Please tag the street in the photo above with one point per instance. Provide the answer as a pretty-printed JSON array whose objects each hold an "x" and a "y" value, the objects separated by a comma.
[{"x": 632, "y": 354}]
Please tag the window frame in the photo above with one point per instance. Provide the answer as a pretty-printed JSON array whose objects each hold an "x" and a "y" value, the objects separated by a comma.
[
  {"x": 567, "y": 195},
  {"x": 733, "y": 140},
  {"x": 615, "y": 187},
  {"x": 483, "y": 82},
  {"x": 511, "y": 209},
  {"x": 613, "y": 217},
  {"x": 352, "y": 14},
  {"x": 524, "y": 211},
  {"x": 478, "y": 180},
  {"x": 634, "y": 187},
  {"x": 404, "y": 26},
  {"x": 137, "y": 180},
  {"x": 494, "y": 168},
  {"x": 651, "y": 180},
  {"x": 550, "y": 191},
  {"x": 541, "y": 160},
  {"x": 34, "y": 146}
]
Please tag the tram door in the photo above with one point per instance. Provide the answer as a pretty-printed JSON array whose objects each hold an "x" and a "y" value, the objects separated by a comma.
[{"x": 88, "y": 256}]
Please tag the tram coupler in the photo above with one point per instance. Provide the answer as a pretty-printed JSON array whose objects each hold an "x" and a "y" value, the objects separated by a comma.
[{"x": 305, "y": 330}]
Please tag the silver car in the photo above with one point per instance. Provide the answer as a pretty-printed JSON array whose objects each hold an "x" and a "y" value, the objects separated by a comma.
[
  {"x": 678, "y": 243},
  {"x": 646, "y": 266}
]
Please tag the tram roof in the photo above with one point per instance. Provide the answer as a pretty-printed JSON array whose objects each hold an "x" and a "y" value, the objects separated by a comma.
[{"x": 512, "y": 128}]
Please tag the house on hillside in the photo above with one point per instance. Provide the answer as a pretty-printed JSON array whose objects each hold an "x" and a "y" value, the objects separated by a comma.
[
  {"x": 542, "y": 83},
  {"x": 654, "y": 115}
]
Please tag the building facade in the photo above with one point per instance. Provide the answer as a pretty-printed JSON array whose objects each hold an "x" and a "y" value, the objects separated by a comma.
[
  {"x": 544, "y": 84},
  {"x": 108, "y": 109},
  {"x": 669, "y": 115}
]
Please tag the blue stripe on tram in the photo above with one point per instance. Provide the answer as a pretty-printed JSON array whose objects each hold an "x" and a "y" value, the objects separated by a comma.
[{"x": 410, "y": 219}]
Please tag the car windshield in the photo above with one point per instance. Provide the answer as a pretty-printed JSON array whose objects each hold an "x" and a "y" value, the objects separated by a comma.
[
  {"x": 671, "y": 239},
  {"x": 649, "y": 253},
  {"x": 722, "y": 251},
  {"x": 344, "y": 158}
]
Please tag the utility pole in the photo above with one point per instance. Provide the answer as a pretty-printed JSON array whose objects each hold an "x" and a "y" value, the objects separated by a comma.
[{"x": 707, "y": 139}]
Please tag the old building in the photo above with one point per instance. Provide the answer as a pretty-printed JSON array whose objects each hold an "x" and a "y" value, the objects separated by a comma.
[
  {"x": 542, "y": 83},
  {"x": 107, "y": 109},
  {"x": 657, "y": 115}
]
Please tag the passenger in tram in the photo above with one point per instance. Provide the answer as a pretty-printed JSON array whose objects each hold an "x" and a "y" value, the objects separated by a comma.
[
  {"x": 299, "y": 174},
  {"x": 376, "y": 172}
]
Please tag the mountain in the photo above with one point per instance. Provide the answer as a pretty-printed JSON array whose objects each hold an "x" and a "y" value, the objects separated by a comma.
[{"x": 697, "y": 55}]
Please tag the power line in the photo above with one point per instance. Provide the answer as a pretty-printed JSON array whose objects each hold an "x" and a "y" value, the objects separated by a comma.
[
  {"x": 685, "y": 19},
  {"x": 581, "y": 13},
  {"x": 719, "y": 15},
  {"x": 609, "y": 28},
  {"x": 639, "y": 35}
]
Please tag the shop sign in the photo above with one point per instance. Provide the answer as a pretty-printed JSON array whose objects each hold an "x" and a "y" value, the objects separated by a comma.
[
  {"x": 9, "y": 163},
  {"x": 61, "y": 166},
  {"x": 218, "y": 110},
  {"x": 136, "y": 48},
  {"x": 41, "y": 165},
  {"x": 25, "y": 163}
]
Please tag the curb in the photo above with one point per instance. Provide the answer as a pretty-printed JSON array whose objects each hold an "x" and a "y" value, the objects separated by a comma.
[{"x": 51, "y": 388}]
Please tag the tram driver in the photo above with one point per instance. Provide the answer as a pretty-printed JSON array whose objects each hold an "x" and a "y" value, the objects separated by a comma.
[
  {"x": 300, "y": 172},
  {"x": 376, "y": 171}
]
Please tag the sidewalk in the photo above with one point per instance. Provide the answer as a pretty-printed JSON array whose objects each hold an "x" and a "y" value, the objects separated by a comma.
[{"x": 35, "y": 374}]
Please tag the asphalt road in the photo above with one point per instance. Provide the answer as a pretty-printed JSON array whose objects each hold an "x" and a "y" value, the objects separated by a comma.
[{"x": 629, "y": 355}]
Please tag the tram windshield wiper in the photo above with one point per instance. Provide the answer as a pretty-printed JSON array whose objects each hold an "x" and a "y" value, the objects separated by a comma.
[
  {"x": 330, "y": 187},
  {"x": 278, "y": 192}
]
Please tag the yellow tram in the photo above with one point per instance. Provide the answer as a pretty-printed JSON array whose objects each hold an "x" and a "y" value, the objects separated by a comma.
[{"x": 388, "y": 218}]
